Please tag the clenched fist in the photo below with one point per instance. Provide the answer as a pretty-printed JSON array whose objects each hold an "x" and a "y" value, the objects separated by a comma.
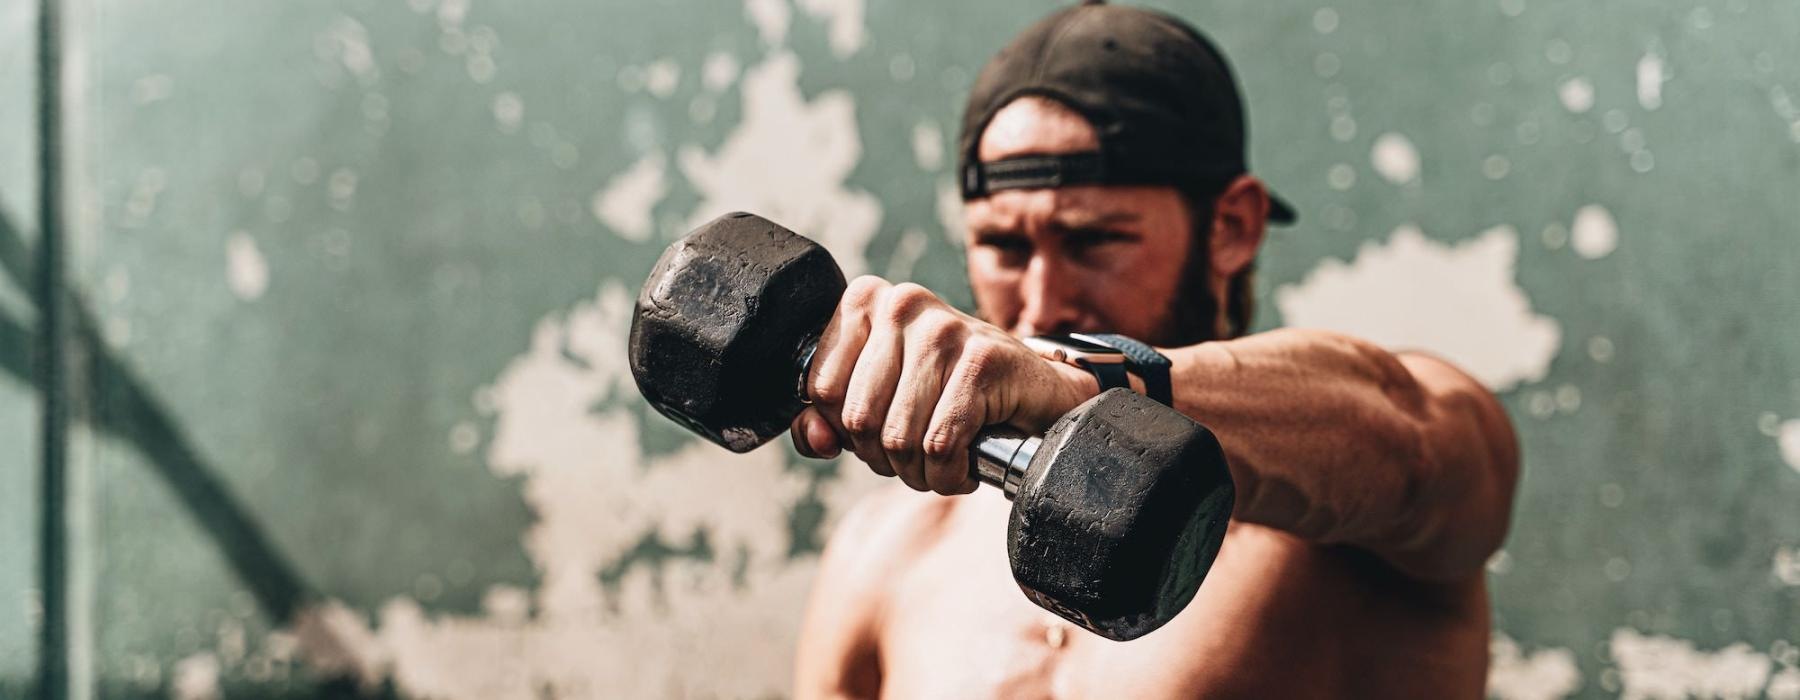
[{"x": 905, "y": 382}]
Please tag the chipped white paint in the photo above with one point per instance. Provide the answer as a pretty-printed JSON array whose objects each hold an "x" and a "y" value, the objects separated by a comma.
[
  {"x": 196, "y": 678},
  {"x": 1600, "y": 348},
  {"x": 1325, "y": 20},
  {"x": 1577, "y": 95},
  {"x": 1460, "y": 302},
  {"x": 1341, "y": 176},
  {"x": 340, "y": 188},
  {"x": 771, "y": 18},
  {"x": 594, "y": 497},
  {"x": 662, "y": 77},
  {"x": 245, "y": 270},
  {"x": 509, "y": 111},
  {"x": 335, "y": 641},
  {"x": 1395, "y": 158},
  {"x": 843, "y": 23},
  {"x": 787, "y": 160},
  {"x": 1593, "y": 234},
  {"x": 928, "y": 145},
  {"x": 1495, "y": 167},
  {"x": 464, "y": 438},
  {"x": 1650, "y": 81},
  {"x": 1785, "y": 685},
  {"x": 719, "y": 71},
  {"x": 1786, "y": 567},
  {"x": 1655, "y": 667},
  {"x": 627, "y": 201},
  {"x": 346, "y": 42},
  {"x": 1789, "y": 443},
  {"x": 1546, "y": 674}
]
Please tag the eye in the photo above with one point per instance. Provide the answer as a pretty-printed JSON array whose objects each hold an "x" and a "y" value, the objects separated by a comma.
[
  {"x": 1012, "y": 248},
  {"x": 1084, "y": 240}
]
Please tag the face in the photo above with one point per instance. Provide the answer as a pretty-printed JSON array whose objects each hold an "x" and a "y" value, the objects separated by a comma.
[{"x": 1098, "y": 258}]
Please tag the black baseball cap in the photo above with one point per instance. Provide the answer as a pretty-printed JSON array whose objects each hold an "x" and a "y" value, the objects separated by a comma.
[{"x": 1160, "y": 95}]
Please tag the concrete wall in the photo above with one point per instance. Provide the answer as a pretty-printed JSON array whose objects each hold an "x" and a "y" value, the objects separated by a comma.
[{"x": 357, "y": 278}]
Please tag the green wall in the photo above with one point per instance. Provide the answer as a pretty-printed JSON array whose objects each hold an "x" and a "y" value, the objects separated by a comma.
[
  {"x": 353, "y": 280},
  {"x": 19, "y": 423}
]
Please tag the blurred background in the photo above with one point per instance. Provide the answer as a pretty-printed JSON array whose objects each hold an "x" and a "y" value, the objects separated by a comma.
[{"x": 348, "y": 281}]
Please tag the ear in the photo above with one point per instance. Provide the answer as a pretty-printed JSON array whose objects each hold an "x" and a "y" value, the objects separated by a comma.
[{"x": 1240, "y": 218}]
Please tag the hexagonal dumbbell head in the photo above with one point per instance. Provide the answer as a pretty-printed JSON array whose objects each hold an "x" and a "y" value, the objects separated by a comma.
[
  {"x": 1121, "y": 514},
  {"x": 720, "y": 322}
]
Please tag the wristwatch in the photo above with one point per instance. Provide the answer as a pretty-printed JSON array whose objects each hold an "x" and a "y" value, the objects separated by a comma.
[{"x": 1112, "y": 358}]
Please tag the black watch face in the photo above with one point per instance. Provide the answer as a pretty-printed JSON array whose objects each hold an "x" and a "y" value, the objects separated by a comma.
[{"x": 1079, "y": 343}]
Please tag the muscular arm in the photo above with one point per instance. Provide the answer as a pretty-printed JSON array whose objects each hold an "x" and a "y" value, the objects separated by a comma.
[{"x": 1339, "y": 441}]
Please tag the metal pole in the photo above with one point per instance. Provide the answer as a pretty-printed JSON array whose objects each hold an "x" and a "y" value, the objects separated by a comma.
[{"x": 53, "y": 648}]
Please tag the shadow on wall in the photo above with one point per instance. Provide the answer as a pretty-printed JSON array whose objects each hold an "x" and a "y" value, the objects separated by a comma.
[{"x": 121, "y": 405}]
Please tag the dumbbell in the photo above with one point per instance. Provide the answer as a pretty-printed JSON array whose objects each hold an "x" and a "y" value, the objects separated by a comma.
[{"x": 1118, "y": 510}]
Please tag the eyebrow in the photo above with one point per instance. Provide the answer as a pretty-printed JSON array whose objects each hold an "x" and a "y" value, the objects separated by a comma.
[
  {"x": 1077, "y": 221},
  {"x": 1068, "y": 222}
]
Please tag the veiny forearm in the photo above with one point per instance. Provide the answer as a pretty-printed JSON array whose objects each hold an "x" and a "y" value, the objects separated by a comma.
[{"x": 1335, "y": 440}]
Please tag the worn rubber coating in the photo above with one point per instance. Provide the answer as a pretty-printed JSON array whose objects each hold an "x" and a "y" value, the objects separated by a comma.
[
  {"x": 1120, "y": 515},
  {"x": 719, "y": 322}
]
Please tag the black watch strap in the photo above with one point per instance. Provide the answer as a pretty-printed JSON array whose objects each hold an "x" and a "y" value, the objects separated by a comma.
[
  {"x": 1108, "y": 375},
  {"x": 1148, "y": 364}
]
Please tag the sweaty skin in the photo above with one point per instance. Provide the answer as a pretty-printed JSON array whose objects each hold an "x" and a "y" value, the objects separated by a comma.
[{"x": 1372, "y": 486}]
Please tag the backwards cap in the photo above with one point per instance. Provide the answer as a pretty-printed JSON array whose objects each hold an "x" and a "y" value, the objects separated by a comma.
[{"x": 1159, "y": 95}]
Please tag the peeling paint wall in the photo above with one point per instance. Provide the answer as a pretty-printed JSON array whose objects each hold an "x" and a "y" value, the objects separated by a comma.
[
  {"x": 19, "y": 422},
  {"x": 358, "y": 275}
]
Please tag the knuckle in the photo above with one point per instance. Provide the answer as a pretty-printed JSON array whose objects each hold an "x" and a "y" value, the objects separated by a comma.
[
  {"x": 896, "y": 443},
  {"x": 860, "y": 423},
  {"x": 942, "y": 333},
  {"x": 904, "y": 301},
  {"x": 980, "y": 358},
  {"x": 862, "y": 291},
  {"x": 939, "y": 445},
  {"x": 826, "y": 391}
]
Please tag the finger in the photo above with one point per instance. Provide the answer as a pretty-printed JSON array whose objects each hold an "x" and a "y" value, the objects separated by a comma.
[
  {"x": 932, "y": 347},
  {"x": 797, "y": 431},
  {"x": 871, "y": 391},
  {"x": 818, "y": 434},
  {"x": 840, "y": 437},
  {"x": 955, "y": 422},
  {"x": 842, "y": 342}
]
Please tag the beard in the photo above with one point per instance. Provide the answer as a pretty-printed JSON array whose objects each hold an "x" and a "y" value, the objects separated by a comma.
[{"x": 1193, "y": 315}]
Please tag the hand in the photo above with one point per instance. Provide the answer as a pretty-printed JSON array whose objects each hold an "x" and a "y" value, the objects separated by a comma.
[{"x": 905, "y": 382}]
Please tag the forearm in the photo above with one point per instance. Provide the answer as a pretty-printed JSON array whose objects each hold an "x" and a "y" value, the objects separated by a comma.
[{"x": 1336, "y": 441}]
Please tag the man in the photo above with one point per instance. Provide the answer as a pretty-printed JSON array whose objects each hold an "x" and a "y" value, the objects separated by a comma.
[{"x": 1106, "y": 190}]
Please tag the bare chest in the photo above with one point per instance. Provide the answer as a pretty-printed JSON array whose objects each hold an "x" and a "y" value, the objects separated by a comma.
[{"x": 1270, "y": 621}]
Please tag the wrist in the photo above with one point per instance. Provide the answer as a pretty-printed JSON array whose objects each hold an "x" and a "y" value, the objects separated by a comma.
[{"x": 1109, "y": 361}]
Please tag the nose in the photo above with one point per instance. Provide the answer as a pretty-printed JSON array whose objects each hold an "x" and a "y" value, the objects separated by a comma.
[{"x": 1052, "y": 303}]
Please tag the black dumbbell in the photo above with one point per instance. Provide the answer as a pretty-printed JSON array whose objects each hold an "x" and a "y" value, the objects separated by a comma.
[{"x": 1118, "y": 510}]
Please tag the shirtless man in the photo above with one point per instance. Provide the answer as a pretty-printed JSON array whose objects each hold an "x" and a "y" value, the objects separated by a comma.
[{"x": 1372, "y": 486}]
